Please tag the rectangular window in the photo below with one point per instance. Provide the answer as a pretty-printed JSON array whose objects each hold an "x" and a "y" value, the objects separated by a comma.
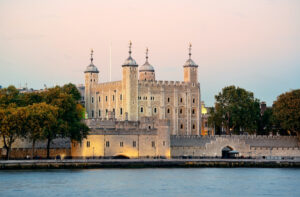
[
  {"x": 107, "y": 144},
  {"x": 92, "y": 113},
  {"x": 92, "y": 99},
  {"x": 134, "y": 143},
  {"x": 121, "y": 144},
  {"x": 153, "y": 144},
  {"x": 106, "y": 98},
  {"x": 88, "y": 144}
]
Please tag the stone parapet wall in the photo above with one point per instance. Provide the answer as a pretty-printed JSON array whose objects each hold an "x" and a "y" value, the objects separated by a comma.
[
  {"x": 247, "y": 146},
  {"x": 22, "y": 153}
]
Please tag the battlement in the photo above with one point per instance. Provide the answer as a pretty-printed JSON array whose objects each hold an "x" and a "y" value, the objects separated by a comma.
[
  {"x": 146, "y": 123},
  {"x": 111, "y": 83},
  {"x": 163, "y": 83}
]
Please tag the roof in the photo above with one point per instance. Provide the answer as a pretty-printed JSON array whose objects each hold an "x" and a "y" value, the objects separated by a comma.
[{"x": 91, "y": 69}]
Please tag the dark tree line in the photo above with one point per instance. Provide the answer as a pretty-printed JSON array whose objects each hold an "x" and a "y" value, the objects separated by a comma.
[
  {"x": 238, "y": 112},
  {"x": 41, "y": 116}
]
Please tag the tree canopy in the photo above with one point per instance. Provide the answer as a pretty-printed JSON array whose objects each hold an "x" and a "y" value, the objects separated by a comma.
[
  {"x": 45, "y": 115},
  {"x": 236, "y": 110},
  {"x": 286, "y": 111}
]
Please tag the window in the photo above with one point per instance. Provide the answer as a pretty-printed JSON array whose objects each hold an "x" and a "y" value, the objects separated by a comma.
[
  {"x": 164, "y": 143},
  {"x": 134, "y": 143},
  {"x": 193, "y": 111},
  {"x": 193, "y": 100},
  {"x": 107, "y": 143},
  {"x": 149, "y": 127},
  {"x": 181, "y": 126},
  {"x": 92, "y": 113},
  {"x": 194, "y": 126},
  {"x": 121, "y": 111},
  {"x": 88, "y": 144},
  {"x": 92, "y": 99},
  {"x": 180, "y": 100},
  {"x": 113, "y": 97},
  {"x": 106, "y": 111},
  {"x": 180, "y": 111},
  {"x": 168, "y": 110},
  {"x": 142, "y": 109},
  {"x": 114, "y": 110},
  {"x": 155, "y": 110},
  {"x": 153, "y": 144},
  {"x": 121, "y": 144},
  {"x": 99, "y": 112},
  {"x": 106, "y": 98},
  {"x": 120, "y": 96},
  {"x": 99, "y": 98},
  {"x": 168, "y": 100}
]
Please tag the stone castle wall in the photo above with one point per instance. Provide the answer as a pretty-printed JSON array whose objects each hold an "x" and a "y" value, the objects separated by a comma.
[{"x": 247, "y": 146}]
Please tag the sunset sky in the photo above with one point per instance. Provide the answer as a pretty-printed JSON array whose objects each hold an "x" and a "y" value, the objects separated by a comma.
[{"x": 254, "y": 44}]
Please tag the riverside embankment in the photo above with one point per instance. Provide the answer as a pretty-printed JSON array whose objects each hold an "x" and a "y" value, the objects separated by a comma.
[{"x": 146, "y": 163}]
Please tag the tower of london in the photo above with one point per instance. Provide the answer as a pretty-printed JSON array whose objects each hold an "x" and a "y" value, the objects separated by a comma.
[{"x": 139, "y": 94}]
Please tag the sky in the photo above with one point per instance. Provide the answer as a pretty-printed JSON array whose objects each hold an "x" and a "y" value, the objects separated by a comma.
[{"x": 253, "y": 44}]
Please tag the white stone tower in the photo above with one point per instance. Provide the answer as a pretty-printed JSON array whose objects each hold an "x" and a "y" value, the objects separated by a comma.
[
  {"x": 91, "y": 80},
  {"x": 146, "y": 71},
  {"x": 130, "y": 87},
  {"x": 190, "y": 69}
]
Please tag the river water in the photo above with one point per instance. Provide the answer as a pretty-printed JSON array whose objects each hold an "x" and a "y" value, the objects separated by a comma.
[{"x": 152, "y": 182}]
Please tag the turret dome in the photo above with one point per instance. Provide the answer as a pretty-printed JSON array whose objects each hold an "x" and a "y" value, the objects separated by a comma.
[
  {"x": 91, "y": 68},
  {"x": 146, "y": 66},
  {"x": 130, "y": 61}
]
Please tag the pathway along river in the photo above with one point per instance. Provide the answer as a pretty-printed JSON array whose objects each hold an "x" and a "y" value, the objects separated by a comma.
[{"x": 152, "y": 182}]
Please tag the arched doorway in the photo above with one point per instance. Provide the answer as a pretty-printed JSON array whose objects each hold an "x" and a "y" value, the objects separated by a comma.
[
  {"x": 120, "y": 156},
  {"x": 226, "y": 152}
]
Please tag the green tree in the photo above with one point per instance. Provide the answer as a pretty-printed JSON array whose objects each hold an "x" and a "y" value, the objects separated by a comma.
[
  {"x": 286, "y": 111},
  {"x": 236, "y": 110},
  {"x": 42, "y": 118},
  {"x": 12, "y": 123},
  {"x": 69, "y": 123},
  {"x": 266, "y": 122},
  {"x": 9, "y": 95}
]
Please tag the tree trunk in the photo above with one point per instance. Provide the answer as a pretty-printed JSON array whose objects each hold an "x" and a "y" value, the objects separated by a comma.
[
  {"x": 33, "y": 146},
  {"x": 7, "y": 153},
  {"x": 48, "y": 148}
]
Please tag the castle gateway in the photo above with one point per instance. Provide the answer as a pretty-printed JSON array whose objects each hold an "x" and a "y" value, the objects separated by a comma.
[{"x": 140, "y": 95}]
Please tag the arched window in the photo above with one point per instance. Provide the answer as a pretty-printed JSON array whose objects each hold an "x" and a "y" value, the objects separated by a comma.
[
  {"x": 180, "y": 111},
  {"x": 99, "y": 112},
  {"x": 193, "y": 100},
  {"x": 121, "y": 111},
  {"x": 181, "y": 126},
  {"x": 168, "y": 110},
  {"x": 142, "y": 109},
  {"x": 193, "y": 111},
  {"x": 155, "y": 110},
  {"x": 168, "y": 100},
  {"x": 180, "y": 100},
  {"x": 193, "y": 126}
]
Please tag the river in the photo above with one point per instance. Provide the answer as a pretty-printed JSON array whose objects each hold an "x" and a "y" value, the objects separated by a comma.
[{"x": 152, "y": 182}]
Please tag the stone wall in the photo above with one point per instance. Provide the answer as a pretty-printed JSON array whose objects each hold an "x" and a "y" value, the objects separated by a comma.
[{"x": 247, "y": 146}]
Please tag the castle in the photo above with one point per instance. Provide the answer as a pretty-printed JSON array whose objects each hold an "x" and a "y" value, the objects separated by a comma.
[{"x": 140, "y": 95}]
